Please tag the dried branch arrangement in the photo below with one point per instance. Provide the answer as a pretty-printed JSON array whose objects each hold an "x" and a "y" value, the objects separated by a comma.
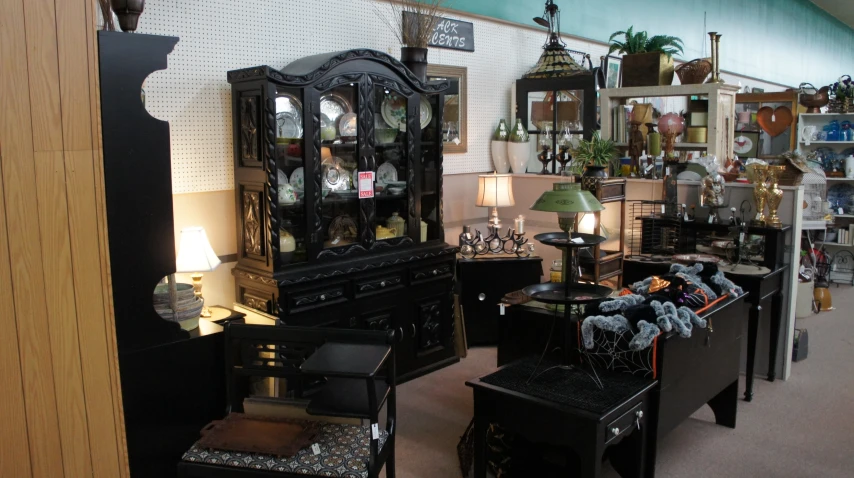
[{"x": 415, "y": 30}]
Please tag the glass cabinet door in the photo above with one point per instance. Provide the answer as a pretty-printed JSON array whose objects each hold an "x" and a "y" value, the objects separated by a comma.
[
  {"x": 392, "y": 148},
  {"x": 555, "y": 119},
  {"x": 430, "y": 227},
  {"x": 290, "y": 163},
  {"x": 339, "y": 166}
]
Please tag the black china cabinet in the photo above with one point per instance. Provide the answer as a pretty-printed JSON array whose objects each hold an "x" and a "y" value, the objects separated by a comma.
[{"x": 338, "y": 181}]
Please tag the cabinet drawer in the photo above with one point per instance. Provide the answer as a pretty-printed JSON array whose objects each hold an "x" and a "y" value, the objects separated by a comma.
[
  {"x": 323, "y": 296},
  {"x": 624, "y": 425},
  {"x": 432, "y": 272},
  {"x": 372, "y": 285}
]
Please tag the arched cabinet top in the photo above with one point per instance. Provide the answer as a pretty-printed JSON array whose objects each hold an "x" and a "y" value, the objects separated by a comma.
[{"x": 314, "y": 69}]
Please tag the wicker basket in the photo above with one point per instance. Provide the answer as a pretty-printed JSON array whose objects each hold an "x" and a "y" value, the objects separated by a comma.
[
  {"x": 793, "y": 175},
  {"x": 694, "y": 72}
]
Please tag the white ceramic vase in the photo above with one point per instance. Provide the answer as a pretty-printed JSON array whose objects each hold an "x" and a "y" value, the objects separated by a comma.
[
  {"x": 499, "y": 157},
  {"x": 518, "y": 155},
  {"x": 849, "y": 167}
]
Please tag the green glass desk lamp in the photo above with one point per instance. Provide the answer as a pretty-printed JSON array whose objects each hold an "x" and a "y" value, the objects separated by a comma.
[{"x": 567, "y": 200}]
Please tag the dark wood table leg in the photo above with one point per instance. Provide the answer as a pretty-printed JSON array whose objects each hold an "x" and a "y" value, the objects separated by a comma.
[
  {"x": 481, "y": 424},
  {"x": 752, "y": 333},
  {"x": 776, "y": 320},
  {"x": 725, "y": 405}
]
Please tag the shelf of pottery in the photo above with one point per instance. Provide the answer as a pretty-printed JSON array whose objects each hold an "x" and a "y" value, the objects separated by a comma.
[
  {"x": 713, "y": 107},
  {"x": 831, "y": 138}
]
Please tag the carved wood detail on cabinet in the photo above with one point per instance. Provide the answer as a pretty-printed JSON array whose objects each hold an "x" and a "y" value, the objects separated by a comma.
[
  {"x": 249, "y": 131},
  {"x": 257, "y": 303},
  {"x": 429, "y": 325},
  {"x": 252, "y": 237}
]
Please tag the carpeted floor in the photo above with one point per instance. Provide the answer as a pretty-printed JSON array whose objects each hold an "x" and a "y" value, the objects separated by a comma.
[{"x": 803, "y": 427}]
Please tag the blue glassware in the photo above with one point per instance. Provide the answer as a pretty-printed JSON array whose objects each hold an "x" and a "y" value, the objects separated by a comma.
[
  {"x": 846, "y": 134},
  {"x": 833, "y": 131}
]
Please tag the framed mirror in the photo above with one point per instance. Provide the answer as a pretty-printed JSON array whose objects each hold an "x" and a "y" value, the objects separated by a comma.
[{"x": 454, "y": 125}]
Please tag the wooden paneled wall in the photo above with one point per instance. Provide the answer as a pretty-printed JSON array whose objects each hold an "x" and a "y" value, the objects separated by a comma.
[{"x": 60, "y": 400}]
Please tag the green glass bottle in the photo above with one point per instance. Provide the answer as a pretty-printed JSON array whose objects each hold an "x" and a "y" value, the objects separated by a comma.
[
  {"x": 519, "y": 134},
  {"x": 502, "y": 132}
]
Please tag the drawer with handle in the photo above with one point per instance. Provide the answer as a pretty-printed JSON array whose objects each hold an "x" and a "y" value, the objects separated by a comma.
[
  {"x": 326, "y": 295},
  {"x": 373, "y": 285},
  {"x": 440, "y": 270},
  {"x": 623, "y": 426}
]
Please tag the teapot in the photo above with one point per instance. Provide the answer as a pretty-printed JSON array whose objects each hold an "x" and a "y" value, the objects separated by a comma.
[{"x": 385, "y": 233}]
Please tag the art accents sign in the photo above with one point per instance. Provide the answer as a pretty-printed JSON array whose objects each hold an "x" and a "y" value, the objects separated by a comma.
[{"x": 450, "y": 33}]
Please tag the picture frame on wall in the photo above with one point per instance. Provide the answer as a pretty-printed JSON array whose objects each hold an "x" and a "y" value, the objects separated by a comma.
[
  {"x": 612, "y": 66},
  {"x": 746, "y": 144}
]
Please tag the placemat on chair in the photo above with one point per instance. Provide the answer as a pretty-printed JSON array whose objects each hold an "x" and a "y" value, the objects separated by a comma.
[
  {"x": 255, "y": 434},
  {"x": 575, "y": 387}
]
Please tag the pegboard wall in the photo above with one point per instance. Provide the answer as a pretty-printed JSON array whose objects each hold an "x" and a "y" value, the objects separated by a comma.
[{"x": 220, "y": 35}]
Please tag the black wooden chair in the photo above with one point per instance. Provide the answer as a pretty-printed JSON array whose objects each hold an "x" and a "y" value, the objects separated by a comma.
[{"x": 344, "y": 373}]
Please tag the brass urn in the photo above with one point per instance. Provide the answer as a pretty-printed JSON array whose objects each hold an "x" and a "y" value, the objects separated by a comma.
[
  {"x": 760, "y": 193},
  {"x": 774, "y": 195}
]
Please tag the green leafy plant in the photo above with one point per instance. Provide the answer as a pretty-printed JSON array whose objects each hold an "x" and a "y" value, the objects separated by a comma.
[
  {"x": 595, "y": 151},
  {"x": 641, "y": 42}
]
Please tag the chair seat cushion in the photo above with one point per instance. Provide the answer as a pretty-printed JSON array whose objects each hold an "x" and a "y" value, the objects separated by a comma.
[{"x": 344, "y": 452}]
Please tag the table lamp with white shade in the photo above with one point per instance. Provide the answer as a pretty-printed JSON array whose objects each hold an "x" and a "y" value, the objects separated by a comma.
[
  {"x": 195, "y": 255},
  {"x": 495, "y": 190}
]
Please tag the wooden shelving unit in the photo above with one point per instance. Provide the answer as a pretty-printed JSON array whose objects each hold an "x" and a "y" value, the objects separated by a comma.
[
  {"x": 610, "y": 265},
  {"x": 721, "y": 124}
]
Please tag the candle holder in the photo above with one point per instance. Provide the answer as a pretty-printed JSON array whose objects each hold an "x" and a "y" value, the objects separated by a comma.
[{"x": 495, "y": 243}]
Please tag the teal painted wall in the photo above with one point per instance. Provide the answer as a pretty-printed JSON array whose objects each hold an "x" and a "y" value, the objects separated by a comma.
[{"x": 781, "y": 41}]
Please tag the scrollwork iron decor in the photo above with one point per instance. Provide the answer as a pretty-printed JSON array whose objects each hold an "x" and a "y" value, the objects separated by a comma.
[{"x": 494, "y": 243}]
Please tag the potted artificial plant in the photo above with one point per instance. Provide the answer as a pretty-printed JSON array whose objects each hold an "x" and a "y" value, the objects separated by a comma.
[
  {"x": 417, "y": 21},
  {"x": 648, "y": 61},
  {"x": 594, "y": 154}
]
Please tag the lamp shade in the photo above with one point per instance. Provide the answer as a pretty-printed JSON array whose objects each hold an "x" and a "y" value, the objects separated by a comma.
[
  {"x": 495, "y": 190},
  {"x": 195, "y": 253},
  {"x": 567, "y": 197}
]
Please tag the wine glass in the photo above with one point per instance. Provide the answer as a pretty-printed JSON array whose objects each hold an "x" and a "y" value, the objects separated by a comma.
[{"x": 545, "y": 143}]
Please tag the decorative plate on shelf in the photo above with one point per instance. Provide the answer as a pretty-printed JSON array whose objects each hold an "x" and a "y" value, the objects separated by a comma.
[
  {"x": 335, "y": 177},
  {"x": 348, "y": 125},
  {"x": 282, "y": 177},
  {"x": 386, "y": 172},
  {"x": 288, "y": 125},
  {"x": 333, "y": 105},
  {"x": 342, "y": 229},
  {"x": 393, "y": 110},
  {"x": 841, "y": 195},
  {"x": 298, "y": 179}
]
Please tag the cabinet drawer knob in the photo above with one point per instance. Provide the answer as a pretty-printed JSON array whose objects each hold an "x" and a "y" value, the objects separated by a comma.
[
  {"x": 322, "y": 296},
  {"x": 639, "y": 414},
  {"x": 615, "y": 431},
  {"x": 382, "y": 284},
  {"x": 481, "y": 297},
  {"x": 435, "y": 272}
]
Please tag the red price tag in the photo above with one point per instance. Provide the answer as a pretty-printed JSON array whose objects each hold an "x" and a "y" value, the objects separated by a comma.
[{"x": 366, "y": 184}]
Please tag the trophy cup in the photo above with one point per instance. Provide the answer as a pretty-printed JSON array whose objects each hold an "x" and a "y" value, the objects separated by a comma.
[
  {"x": 774, "y": 195},
  {"x": 760, "y": 193}
]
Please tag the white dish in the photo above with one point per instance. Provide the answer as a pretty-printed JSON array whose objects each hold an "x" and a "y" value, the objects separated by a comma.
[
  {"x": 348, "y": 125},
  {"x": 386, "y": 172},
  {"x": 334, "y": 177},
  {"x": 288, "y": 116},
  {"x": 298, "y": 179},
  {"x": 282, "y": 177},
  {"x": 689, "y": 176},
  {"x": 393, "y": 110},
  {"x": 334, "y": 106}
]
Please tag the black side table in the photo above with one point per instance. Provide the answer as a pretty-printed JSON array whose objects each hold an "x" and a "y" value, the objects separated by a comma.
[
  {"x": 566, "y": 408},
  {"x": 483, "y": 282}
]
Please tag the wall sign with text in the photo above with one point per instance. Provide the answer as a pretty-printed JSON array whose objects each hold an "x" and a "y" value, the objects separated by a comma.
[{"x": 451, "y": 34}]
